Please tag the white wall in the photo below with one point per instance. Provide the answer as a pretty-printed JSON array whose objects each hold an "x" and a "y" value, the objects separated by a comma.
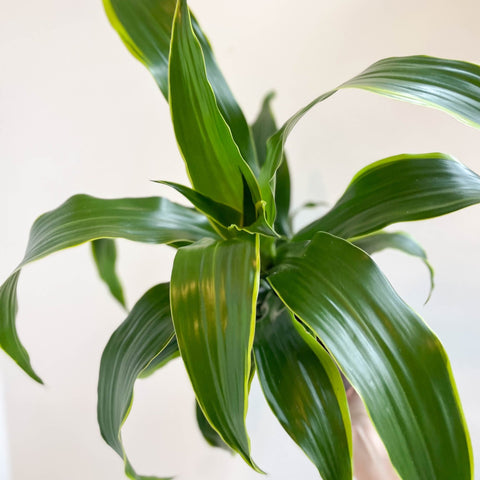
[{"x": 77, "y": 114}]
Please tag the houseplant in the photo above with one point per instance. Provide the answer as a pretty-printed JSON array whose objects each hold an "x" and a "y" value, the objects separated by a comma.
[{"x": 259, "y": 220}]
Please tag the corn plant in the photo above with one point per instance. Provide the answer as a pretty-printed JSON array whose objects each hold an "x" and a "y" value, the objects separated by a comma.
[{"x": 308, "y": 311}]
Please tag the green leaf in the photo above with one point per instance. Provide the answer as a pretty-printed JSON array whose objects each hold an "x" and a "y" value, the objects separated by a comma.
[
  {"x": 143, "y": 335},
  {"x": 145, "y": 26},
  {"x": 393, "y": 360},
  {"x": 82, "y": 219},
  {"x": 398, "y": 189},
  {"x": 263, "y": 128},
  {"x": 213, "y": 293},
  {"x": 402, "y": 241},
  {"x": 104, "y": 253},
  {"x": 170, "y": 352},
  {"x": 214, "y": 162},
  {"x": 449, "y": 85},
  {"x": 219, "y": 212},
  {"x": 208, "y": 433},
  {"x": 304, "y": 389},
  {"x": 275, "y": 156},
  {"x": 9, "y": 340}
]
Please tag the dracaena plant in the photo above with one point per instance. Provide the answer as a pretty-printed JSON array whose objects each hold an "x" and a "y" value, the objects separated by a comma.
[{"x": 308, "y": 311}]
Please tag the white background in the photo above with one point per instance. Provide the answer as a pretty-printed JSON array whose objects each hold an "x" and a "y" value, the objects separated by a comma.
[{"x": 79, "y": 115}]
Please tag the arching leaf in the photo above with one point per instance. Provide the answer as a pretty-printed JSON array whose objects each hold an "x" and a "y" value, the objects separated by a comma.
[
  {"x": 82, "y": 219},
  {"x": 398, "y": 189},
  {"x": 387, "y": 353},
  {"x": 449, "y": 85},
  {"x": 143, "y": 335}
]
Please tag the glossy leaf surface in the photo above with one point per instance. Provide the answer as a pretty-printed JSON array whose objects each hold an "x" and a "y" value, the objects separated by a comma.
[
  {"x": 82, "y": 219},
  {"x": 376, "y": 242},
  {"x": 386, "y": 352},
  {"x": 214, "y": 288},
  {"x": 104, "y": 253},
  {"x": 449, "y": 85},
  {"x": 214, "y": 162},
  {"x": 304, "y": 389},
  {"x": 145, "y": 26},
  {"x": 263, "y": 128},
  {"x": 143, "y": 335},
  {"x": 398, "y": 189}
]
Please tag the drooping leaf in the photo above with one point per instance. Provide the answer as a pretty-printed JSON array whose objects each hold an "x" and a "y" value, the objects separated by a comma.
[
  {"x": 214, "y": 162},
  {"x": 263, "y": 128},
  {"x": 214, "y": 288},
  {"x": 143, "y": 335},
  {"x": 402, "y": 241},
  {"x": 145, "y": 26},
  {"x": 104, "y": 253},
  {"x": 9, "y": 340},
  {"x": 304, "y": 389},
  {"x": 170, "y": 352},
  {"x": 449, "y": 85},
  {"x": 82, "y": 219},
  {"x": 398, "y": 189},
  {"x": 208, "y": 433},
  {"x": 392, "y": 359}
]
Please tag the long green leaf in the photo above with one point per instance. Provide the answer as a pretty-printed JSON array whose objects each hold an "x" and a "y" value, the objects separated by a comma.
[
  {"x": 449, "y": 85},
  {"x": 386, "y": 352},
  {"x": 145, "y": 26},
  {"x": 398, "y": 189},
  {"x": 263, "y": 128},
  {"x": 82, "y": 219},
  {"x": 104, "y": 253},
  {"x": 304, "y": 389},
  {"x": 213, "y": 294},
  {"x": 214, "y": 162},
  {"x": 143, "y": 335},
  {"x": 376, "y": 242}
]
